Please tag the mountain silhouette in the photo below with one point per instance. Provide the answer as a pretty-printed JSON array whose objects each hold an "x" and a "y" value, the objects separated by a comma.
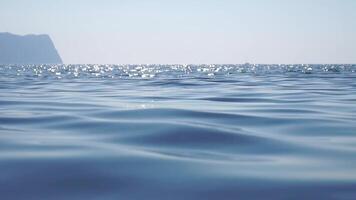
[{"x": 27, "y": 49}]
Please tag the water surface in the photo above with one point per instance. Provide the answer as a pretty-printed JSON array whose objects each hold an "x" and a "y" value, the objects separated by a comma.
[{"x": 178, "y": 132}]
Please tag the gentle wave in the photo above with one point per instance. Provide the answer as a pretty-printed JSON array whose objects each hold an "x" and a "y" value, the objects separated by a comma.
[{"x": 178, "y": 131}]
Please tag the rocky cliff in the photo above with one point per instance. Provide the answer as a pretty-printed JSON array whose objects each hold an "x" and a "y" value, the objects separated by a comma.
[{"x": 28, "y": 49}]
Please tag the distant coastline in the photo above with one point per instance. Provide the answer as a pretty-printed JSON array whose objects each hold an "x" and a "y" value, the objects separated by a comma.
[{"x": 28, "y": 49}]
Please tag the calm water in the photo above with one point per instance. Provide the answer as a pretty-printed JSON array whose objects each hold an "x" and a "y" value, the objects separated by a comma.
[{"x": 178, "y": 132}]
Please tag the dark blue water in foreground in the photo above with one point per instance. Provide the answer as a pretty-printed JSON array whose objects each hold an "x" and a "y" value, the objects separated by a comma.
[{"x": 178, "y": 132}]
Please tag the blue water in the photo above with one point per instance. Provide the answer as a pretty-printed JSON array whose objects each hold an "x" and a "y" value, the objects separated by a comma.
[{"x": 178, "y": 132}]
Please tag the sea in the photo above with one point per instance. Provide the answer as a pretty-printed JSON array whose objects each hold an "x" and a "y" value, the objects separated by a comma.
[{"x": 178, "y": 132}]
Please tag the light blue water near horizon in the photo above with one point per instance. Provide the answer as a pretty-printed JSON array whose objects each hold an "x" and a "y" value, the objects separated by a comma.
[{"x": 178, "y": 132}]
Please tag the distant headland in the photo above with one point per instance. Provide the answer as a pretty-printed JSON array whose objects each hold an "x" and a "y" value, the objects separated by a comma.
[{"x": 27, "y": 49}]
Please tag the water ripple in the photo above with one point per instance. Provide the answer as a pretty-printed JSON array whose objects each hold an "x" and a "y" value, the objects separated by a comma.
[{"x": 178, "y": 131}]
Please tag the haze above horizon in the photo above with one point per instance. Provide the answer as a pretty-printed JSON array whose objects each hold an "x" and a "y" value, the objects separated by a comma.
[{"x": 158, "y": 31}]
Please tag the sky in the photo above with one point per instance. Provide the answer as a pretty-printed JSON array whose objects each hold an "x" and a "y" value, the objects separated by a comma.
[{"x": 190, "y": 31}]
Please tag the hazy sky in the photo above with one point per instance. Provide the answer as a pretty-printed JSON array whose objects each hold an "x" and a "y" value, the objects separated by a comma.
[{"x": 190, "y": 31}]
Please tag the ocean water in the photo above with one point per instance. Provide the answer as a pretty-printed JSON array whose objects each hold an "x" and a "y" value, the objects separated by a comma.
[{"x": 178, "y": 132}]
